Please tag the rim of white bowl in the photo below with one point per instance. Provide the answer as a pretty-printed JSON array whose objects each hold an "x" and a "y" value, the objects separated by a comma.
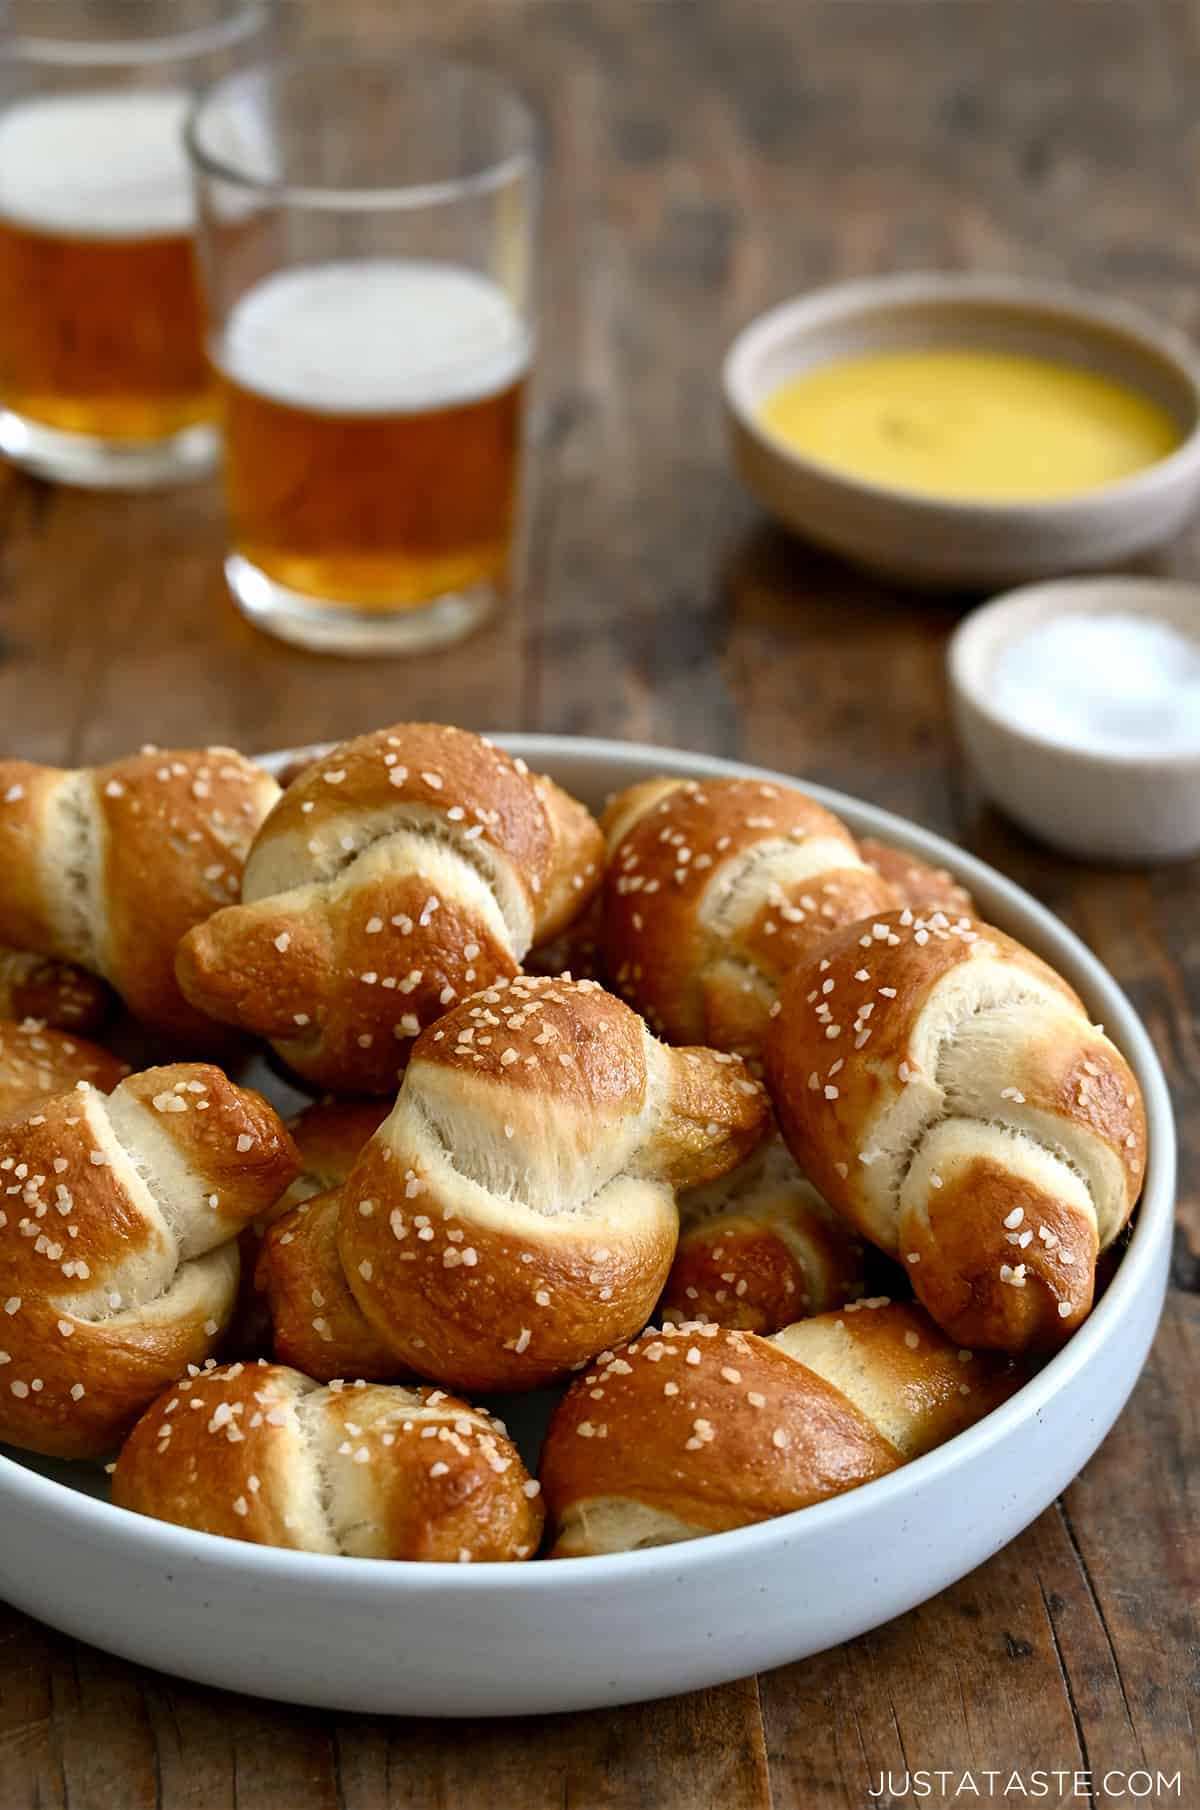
[
  {"x": 863, "y": 296},
  {"x": 171, "y": 1545},
  {"x": 1124, "y": 588}
]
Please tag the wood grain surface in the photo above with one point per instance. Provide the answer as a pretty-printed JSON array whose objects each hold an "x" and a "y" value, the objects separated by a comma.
[{"x": 708, "y": 157}]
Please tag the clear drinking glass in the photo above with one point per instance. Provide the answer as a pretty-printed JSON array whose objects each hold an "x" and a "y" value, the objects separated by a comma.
[
  {"x": 103, "y": 375},
  {"x": 366, "y": 234}
]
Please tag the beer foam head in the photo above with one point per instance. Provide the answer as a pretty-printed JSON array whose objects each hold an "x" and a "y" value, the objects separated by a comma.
[
  {"x": 105, "y": 164},
  {"x": 375, "y": 337}
]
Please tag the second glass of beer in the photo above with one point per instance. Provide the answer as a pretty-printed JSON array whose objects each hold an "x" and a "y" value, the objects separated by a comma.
[{"x": 366, "y": 230}]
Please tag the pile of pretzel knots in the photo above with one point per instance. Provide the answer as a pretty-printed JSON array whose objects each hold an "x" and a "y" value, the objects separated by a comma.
[{"x": 707, "y": 1062}]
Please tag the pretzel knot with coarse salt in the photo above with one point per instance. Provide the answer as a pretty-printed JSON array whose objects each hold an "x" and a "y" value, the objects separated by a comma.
[
  {"x": 946, "y": 1091},
  {"x": 398, "y": 875},
  {"x": 714, "y": 891},
  {"x": 260, "y": 1452},
  {"x": 118, "y": 1245},
  {"x": 108, "y": 867},
  {"x": 698, "y": 1428},
  {"x": 516, "y": 1213}
]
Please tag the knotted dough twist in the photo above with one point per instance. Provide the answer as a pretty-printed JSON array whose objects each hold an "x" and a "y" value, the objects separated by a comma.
[
  {"x": 714, "y": 891},
  {"x": 945, "y": 1090},
  {"x": 119, "y": 1217},
  {"x": 516, "y": 1212},
  {"x": 259, "y": 1452},
  {"x": 699, "y": 1428},
  {"x": 395, "y": 877},
  {"x": 109, "y": 866}
]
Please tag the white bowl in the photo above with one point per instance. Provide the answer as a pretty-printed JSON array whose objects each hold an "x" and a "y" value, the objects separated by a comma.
[
  {"x": 1101, "y": 807},
  {"x": 438, "y": 1640},
  {"x": 943, "y": 543}
]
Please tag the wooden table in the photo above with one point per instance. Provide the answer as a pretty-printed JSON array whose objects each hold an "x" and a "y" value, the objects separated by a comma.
[{"x": 709, "y": 157}]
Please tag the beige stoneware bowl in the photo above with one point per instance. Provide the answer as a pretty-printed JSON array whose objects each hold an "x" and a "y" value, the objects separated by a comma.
[{"x": 923, "y": 540}]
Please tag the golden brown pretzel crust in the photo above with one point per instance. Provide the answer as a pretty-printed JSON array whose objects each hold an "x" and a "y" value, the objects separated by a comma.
[
  {"x": 25, "y": 922},
  {"x": 515, "y": 1214},
  {"x": 918, "y": 884},
  {"x": 945, "y": 1090},
  {"x": 328, "y": 1137},
  {"x": 204, "y": 809},
  {"x": 697, "y": 1429},
  {"x": 316, "y": 1323},
  {"x": 36, "y": 1063},
  {"x": 117, "y": 1248},
  {"x": 110, "y": 866},
  {"x": 760, "y": 1249},
  {"x": 259, "y": 1452},
  {"x": 395, "y": 877},
  {"x": 58, "y": 994},
  {"x": 714, "y": 891}
]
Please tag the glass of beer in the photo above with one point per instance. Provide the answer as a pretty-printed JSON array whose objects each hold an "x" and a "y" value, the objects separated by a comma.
[
  {"x": 366, "y": 232},
  {"x": 103, "y": 375}
]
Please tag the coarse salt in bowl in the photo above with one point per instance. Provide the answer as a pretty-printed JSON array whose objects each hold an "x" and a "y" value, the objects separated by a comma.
[{"x": 1078, "y": 705}]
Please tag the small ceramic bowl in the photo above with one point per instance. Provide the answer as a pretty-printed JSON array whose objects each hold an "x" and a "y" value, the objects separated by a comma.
[
  {"x": 1102, "y": 807},
  {"x": 949, "y": 544}
]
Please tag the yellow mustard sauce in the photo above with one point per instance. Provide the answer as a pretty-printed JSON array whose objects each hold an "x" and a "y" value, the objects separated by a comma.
[{"x": 974, "y": 425}]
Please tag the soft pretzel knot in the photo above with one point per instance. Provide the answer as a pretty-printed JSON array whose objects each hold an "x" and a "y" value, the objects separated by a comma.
[
  {"x": 759, "y": 1249},
  {"x": 59, "y": 994},
  {"x": 516, "y": 1212},
  {"x": 698, "y": 1428},
  {"x": 118, "y": 1224},
  {"x": 109, "y": 866},
  {"x": 714, "y": 891},
  {"x": 316, "y": 1324},
  {"x": 395, "y": 877},
  {"x": 945, "y": 1089},
  {"x": 36, "y": 1063},
  {"x": 259, "y": 1452}
]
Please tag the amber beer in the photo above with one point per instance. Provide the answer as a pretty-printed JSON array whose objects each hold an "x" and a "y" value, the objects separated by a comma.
[
  {"x": 372, "y": 412},
  {"x": 100, "y": 329}
]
